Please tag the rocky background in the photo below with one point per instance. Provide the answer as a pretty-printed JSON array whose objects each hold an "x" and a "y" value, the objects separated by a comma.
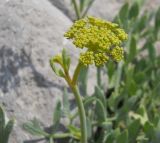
[{"x": 31, "y": 31}]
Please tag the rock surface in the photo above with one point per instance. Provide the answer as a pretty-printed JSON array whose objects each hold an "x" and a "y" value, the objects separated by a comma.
[
  {"x": 66, "y": 7},
  {"x": 106, "y": 9},
  {"x": 101, "y": 8},
  {"x": 31, "y": 31}
]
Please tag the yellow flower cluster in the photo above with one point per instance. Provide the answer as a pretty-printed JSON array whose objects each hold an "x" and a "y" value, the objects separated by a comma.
[{"x": 101, "y": 38}]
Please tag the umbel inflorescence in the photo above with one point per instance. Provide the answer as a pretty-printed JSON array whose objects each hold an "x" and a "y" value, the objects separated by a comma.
[{"x": 102, "y": 40}]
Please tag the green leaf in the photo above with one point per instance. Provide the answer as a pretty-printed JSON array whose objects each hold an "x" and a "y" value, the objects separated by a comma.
[
  {"x": 2, "y": 122},
  {"x": 149, "y": 45},
  {"x": 112, "y": 135},
  {"x": 151, "y": 51},
  {"x": 61, "y": 73},
  {"x": 109, "y": 138},
  {"x": 130, "y": 84},
  {"x": 68, "y": 63},
  {"x": 74, "y": 131},
  {"x": 7, "y": 131},
  {"x": 65, "y": 59},
  {"x": 107, "y": 125},
  {"x": 99, "y": 93},
  {"x": 140, "y": 2},
  {"x": 54, "y": 67},
  {"x": 134, "y": 10},
  {"x": 157, "y": 20},
  {"x": 33, "y": 127},
  {"x": 110, "y": 69},
  {"x": 83, "y": 78},
  {"x": 123, "y": 137},
  {"x": 100, "y": 111},
  {"x": 123, "y": 13},
  {"x": 57, "y": 116},
  {"x": 64, "y": 56},
  {"x": 140, "y": 77},
  {"x": 149, "y": 130},
  {"x": 132, "y": 101},
  {"x": 141, "y": 24},
  {"x": 133, "y": 130},
  {"x": 66, "y": 104},
  {"x": 132, "y": 49},
  {"x": 57, "y": 60},
  {"x": 88, "y": 100},
  {"x": 116, "y": 79},
  {"x": 132, "y": 88},
  {"x": 89, "y": 128}
]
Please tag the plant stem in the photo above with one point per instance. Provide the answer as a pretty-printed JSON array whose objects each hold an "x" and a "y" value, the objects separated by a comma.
[
  {"x": 119, "y": 74},
  {"x": 76, "y": 9},
  {"x": 99, "y": 76},
  {"x": 81, "y": 111},
  {"x": 76, "y": 73},
  {"x": 51, "y": 140},
  {"x": 81, "y": 5},
  {"x": 82, "y": 115},
  {"x": 61, "y": 135},
  {"x": 87, "y": 9}
]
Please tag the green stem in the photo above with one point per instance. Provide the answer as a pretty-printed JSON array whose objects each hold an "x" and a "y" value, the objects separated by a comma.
[
  {"x": 72, "y": 83},
  {"x": 119, "y": 74},
  {"x": 76, "y": 73},
  {"x": 81, "y": 5},
  {"x": 99, "y": 76},
  {"x": 87, "y": 9},
  {"x": 51, "y": 140},
  {"x": 76, "y": 9},
  {"x": 59, "y": 136},
  {"x": 82, "y": 115}
]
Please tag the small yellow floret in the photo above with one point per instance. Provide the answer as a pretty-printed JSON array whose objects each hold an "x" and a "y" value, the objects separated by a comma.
[
  {"x": 87, "y": 58},
  {"x": 117, "y": 53},
  {"x": 100, "y": 59}
]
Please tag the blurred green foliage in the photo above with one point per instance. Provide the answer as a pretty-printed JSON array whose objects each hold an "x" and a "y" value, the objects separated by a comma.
[
  {"x": 133, "y": 102},
  {"x": 128, "y": 112},
  {"x": 5, "y": 128}
]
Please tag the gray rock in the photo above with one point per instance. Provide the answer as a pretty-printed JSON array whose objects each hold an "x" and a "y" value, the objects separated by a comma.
[
  {"x": 106, "y": 9},
  {"x": 66, "y": 7},
  {"x": 30, "y": 33},
  {"x": 152, "y": 4}
]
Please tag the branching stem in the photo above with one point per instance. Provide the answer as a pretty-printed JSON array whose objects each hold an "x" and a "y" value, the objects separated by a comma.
[{"x": 73, "y": 85}]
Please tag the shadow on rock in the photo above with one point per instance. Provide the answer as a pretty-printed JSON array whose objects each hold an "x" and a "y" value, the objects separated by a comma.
[{"x": 11, "y": 62}]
